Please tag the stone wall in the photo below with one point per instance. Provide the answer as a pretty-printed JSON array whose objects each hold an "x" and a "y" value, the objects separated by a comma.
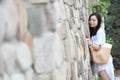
[{"x": 50, "y": 43}]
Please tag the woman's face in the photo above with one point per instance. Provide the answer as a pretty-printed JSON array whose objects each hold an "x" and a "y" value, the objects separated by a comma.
[{"x": 93, "y": 21}]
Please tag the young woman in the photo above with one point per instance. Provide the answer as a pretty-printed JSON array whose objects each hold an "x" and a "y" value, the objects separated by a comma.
[{"x": 97, "y": 39}]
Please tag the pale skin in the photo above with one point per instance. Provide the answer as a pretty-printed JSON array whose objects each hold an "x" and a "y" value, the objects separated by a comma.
[{"x": 93, "y": 23}]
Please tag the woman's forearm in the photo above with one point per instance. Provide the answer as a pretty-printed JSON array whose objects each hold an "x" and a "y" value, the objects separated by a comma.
[{"x": 95, "y": 46}]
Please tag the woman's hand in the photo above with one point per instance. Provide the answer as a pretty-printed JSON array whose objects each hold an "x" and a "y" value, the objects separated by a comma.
[
  {"x": 94, "y": 46},
  {"x": 89, "y": 42}
]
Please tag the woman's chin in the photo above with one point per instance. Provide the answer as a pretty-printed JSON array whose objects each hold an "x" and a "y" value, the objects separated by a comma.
[{"x": 92, "y": 26}]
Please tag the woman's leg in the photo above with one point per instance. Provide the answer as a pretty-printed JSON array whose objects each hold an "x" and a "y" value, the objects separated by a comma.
[{"x": 104, "y": 75}]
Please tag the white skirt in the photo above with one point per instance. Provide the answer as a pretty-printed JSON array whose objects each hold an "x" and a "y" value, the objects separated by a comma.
[{"x": 108, "y": 67}]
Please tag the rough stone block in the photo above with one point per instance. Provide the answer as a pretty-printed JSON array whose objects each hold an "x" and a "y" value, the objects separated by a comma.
[
  {"x": 24, "y": 58},
  {"x": 38, "y": 1},
  {"x": 17, "y": 76},
  {"x": 48, "y": 54},
  {"x": 8, "y": 51}
]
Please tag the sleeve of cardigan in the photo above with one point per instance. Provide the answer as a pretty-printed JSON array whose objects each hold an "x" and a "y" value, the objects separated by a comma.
[{"x": 100, "y": 38}]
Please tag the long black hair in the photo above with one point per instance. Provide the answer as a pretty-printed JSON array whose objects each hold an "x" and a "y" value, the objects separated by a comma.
[{"x": 92, "y": 30}]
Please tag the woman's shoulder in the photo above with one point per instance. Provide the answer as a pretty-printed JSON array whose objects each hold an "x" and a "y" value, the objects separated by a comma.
[{"x": 100, "y": 31}]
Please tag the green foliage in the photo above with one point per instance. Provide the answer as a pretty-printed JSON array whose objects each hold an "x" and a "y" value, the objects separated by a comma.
[
  {"x": 113, "y": 26},
  {"x": 96, "y": 77},
  {"x": 109, "y": 20},
  {"x": 109, "y": 28},
  {"x": 110, "y": 40},
  {"x": 113, "y": 30},
  {"x": 101, "y": 7},
  {"x": 116, "y": 61},
  {"x": 114, "y": 1}
]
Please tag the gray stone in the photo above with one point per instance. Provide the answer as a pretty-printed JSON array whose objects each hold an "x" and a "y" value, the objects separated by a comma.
[
  {"x": 2, "y": 65},
  {"x": 81, "y": 3},
  {"x": 73, "y": 12},
  {"x": 29, "y": 74},
  {"x": 72, "y": 45},
  {"x": 51, "y": 17},
  {"x": 37, "y": 21},
  {"x": 58, "y": 51},
  {"x": 69, "y": 2},
  {"x": 80, "y": 53},
  {"x": 77, "y": 24},
  {"x": 74, "y": 71},
  {"x": 71, "y": 23},
  {"x": 53, "y": 1},
  {"x": 2, "y": 29},
  {"x": 68, "y": 12},
  {"x": 61, "y": 30},
  {"x": 62, "y": 11},
  {"x": 86, "y": 3},
  {"x": 67, "y": 50},
  {"x": 17, "y": 76},
  {"x": 6, "y": 76},
  {"x": 59, "y": 10},
  {"x": 93, "y": 2},
  {"x": 43, "y": 77},
  {"x": 42, "y": 20},
  {"x": 77, "y": 4},
  {"x": 68, "y": 71},
  {"x": 1, "y": 78},
  {"x": 60, "y": 72},
  {"x": 24, "y": 58},
  {"x": 26, "y": 0},
  {"x": 48, "y": 54},
  {"x": 75, "y": 39},
  {"x": 8, "y": 51},
  {"x": 56, "y": 75},
  {"x": 10, "y": 14},
  {"x": 77, "y": 15},
  {"x": 43, "y": 53},
  {"x": 39, "y": 1}
]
